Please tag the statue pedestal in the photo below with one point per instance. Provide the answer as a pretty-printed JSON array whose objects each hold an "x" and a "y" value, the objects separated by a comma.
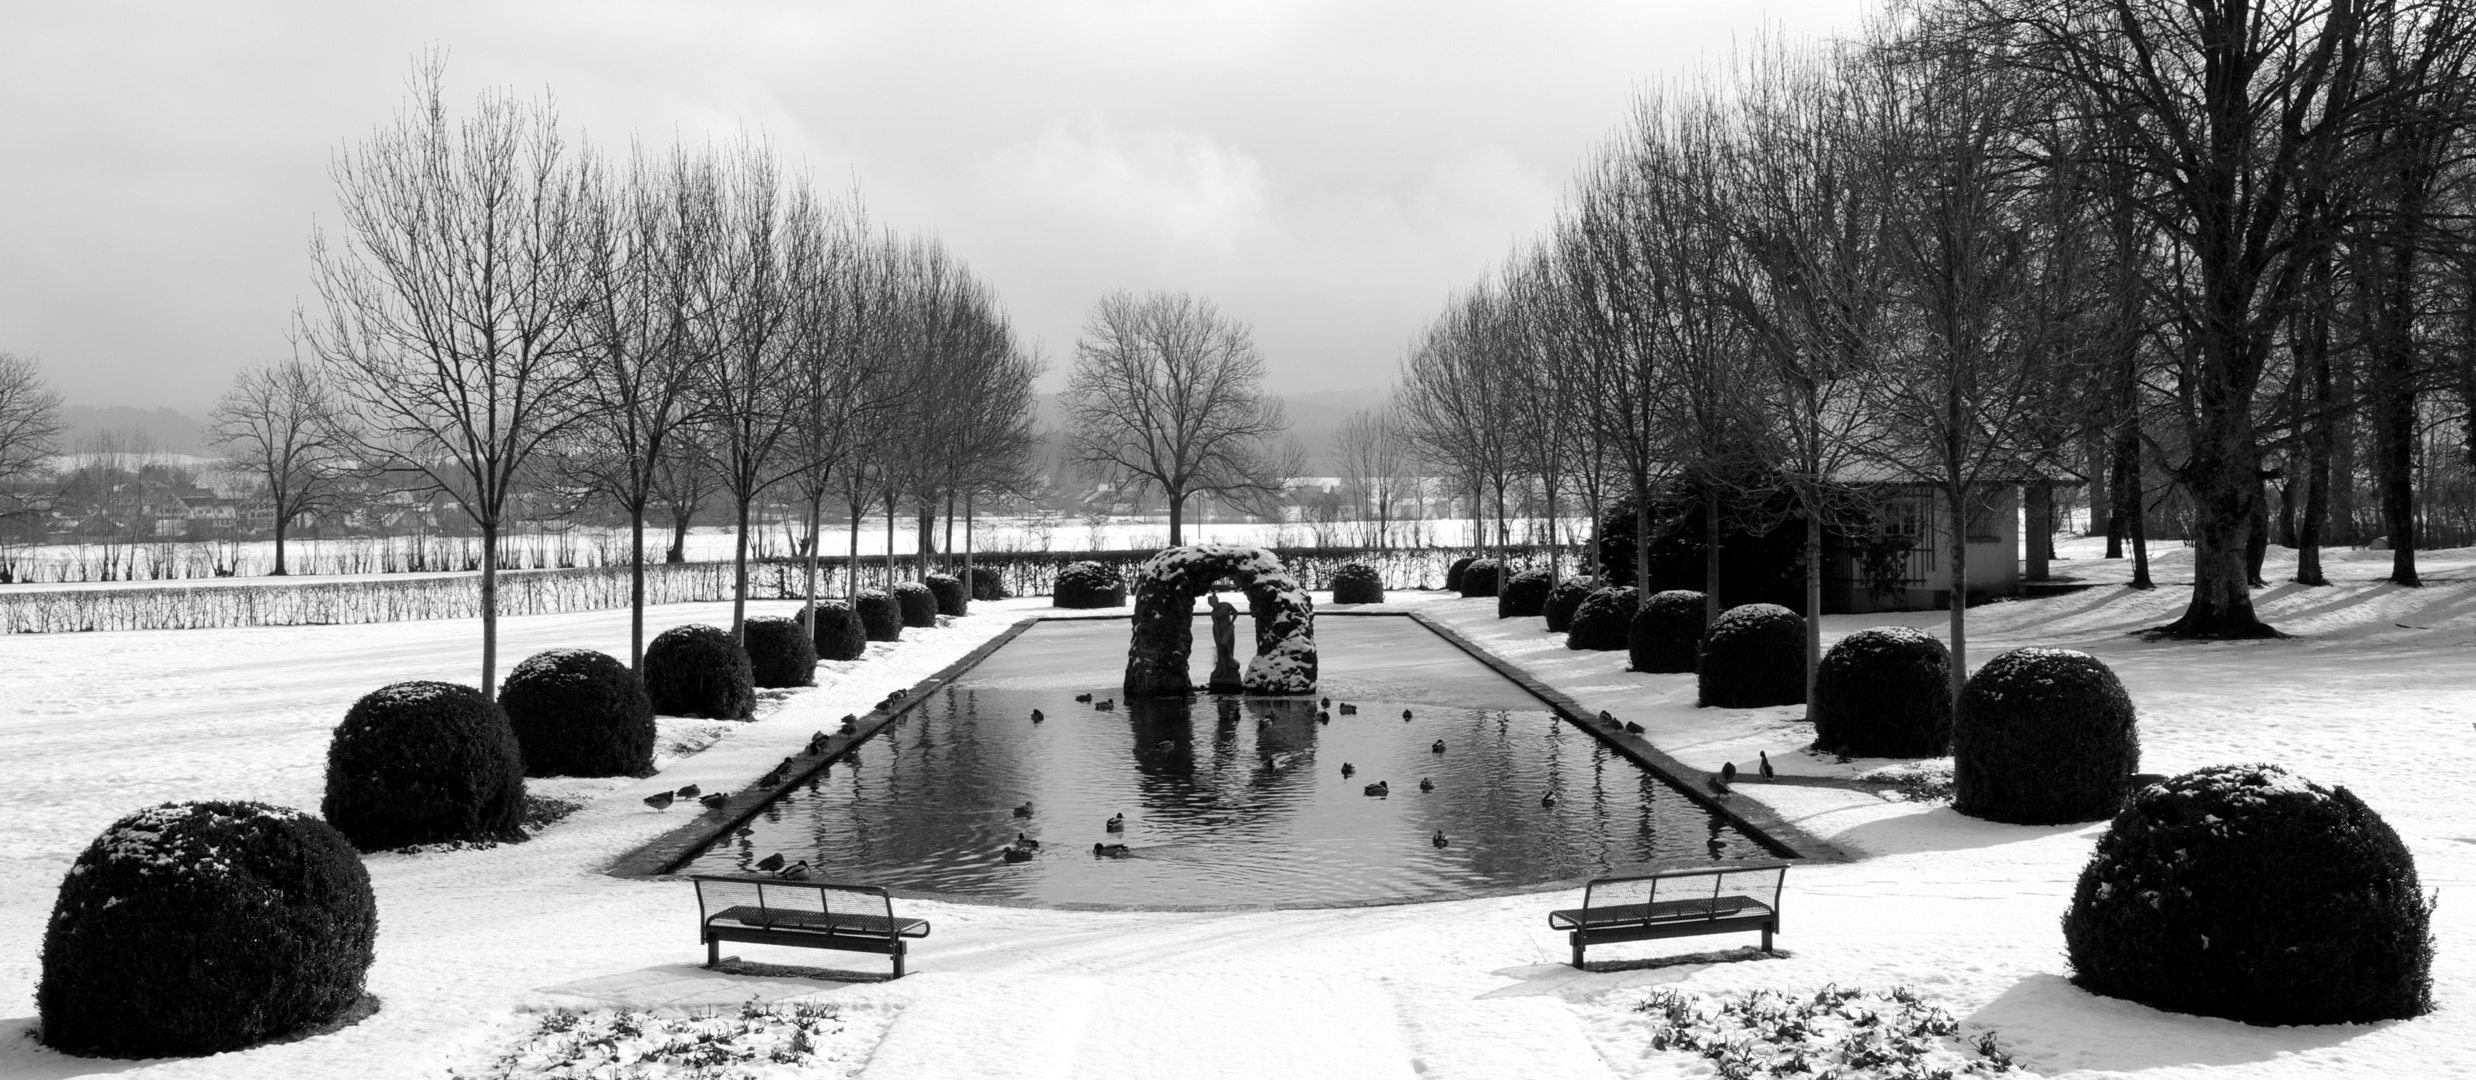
[{"x": 1225, "y": 678}]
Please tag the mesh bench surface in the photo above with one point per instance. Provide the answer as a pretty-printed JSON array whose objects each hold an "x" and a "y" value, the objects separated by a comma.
[
  {"x": 1666, "y": 910},
  {"x": 822, "y": 922},
  {"x": 1677, "y": 903},
  {"x": 812, "y": 914}
]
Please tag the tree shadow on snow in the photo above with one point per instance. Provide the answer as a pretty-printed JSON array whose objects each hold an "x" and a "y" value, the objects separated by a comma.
[
  {"x": 1602, "y": 976},
  {"x": 2053, "y": 1026},
  {"x": 1945, "y": 829}
]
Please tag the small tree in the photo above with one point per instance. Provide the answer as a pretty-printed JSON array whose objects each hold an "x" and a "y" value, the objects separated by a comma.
[
  {"x": 280, "y": 423},
  {"x": 29, "y": 426}
]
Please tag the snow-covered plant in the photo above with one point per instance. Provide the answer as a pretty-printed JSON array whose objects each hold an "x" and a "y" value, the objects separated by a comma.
[
  {"x": 577, "y": 712},
  {"x": 839, "y": 635},
  {"x": 881, "y": 618},
  {"x": 952, "y": 598},
  {"x": 1752, "y": 656},
  {"x": 2043, "y": 737},
  {"x": 1604, "y": 620},
  {"x": 757, "y": 1041},
  {"x": 1884, "y": 691},
  {"x": 1453, "y": 573},
  {"x": 1524, "y": 595},
  {"x": 194, "y": 928},
  {"x": 1562, "y": 602},
  {"x": 1357, "y": 583},
  {"x": 2248, "y": 892},
  {"x": 1481, "y": 578},
  {"x": 699, "y": 670},
  {"x": 780, "y": 652},
  {"x": 1849, "y": 1034},
  {"x": 424, "y": 762},
  {"x": 1666, "y": 632},
  {"x": 918, "y": 604},
  {"x": 1089, "y": 585}
]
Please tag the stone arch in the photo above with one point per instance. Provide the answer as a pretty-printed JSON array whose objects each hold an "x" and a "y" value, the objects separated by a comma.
[{"x": 1165, "y": 588}]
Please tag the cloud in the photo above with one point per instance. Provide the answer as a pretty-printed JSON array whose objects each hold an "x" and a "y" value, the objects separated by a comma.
[{"x": 1187, "y": 189}]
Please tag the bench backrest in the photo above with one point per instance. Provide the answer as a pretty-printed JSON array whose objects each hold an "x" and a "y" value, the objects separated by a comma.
[
  {"x": 717, "y": 893},
  {"x": 1761, "y": 883}
]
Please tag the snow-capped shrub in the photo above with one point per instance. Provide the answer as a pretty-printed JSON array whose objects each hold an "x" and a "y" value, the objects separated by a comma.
[
  {"x": 1885, "y": 691},
  {"x": 780, "y": 652},
  {"x": 1603, "y": 620},
  {"x": 949, "y": 593},
  {"x": 839, "y": 635},
  {"x": 987, "y": 583},
  {"x": 1524, "y": 595},
  {"x": 1089, "y": 585},
  {"x": 1481, "y": 578},
  {"x": 1753, "y": 655},
  {"x": 917, "y": 603},
  {"x": 195, "y": 928},
  {"x": 699, "y": 670},
  {"x": 1357, "y": 583},
  {"x": 423, "y": 762},
  {"x": 1453, "y": 572},
  {"x": 2250, "y": 893},
  {"x": 577, "y": 712},
  {"x": 2043, "y": 737},
  {"x": 1666, "y": 634},
  {"x": 880, "y": 617},
  {"x": 1562, "y": 602}
]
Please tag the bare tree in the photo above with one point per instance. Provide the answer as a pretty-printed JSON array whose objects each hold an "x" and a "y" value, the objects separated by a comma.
[
  {"x": 1368, "y": 450},
  {"x": 450, "y": 322},
  {"x": 1167, "y": 394},
  {"x": 282, "y": 424},
  {"x": 29, "y": 429}
]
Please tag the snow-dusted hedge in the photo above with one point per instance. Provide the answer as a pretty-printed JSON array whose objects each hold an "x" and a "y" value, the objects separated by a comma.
[
  {"x": 195, "y": 928},
  {"x": 1089, "y": 585},
  {"x": 880, "y": 617},
  {"x": 1483, "y": 577},
  {"x": 424, "y": 762},
  {"x": 1603, "y": 620},
  {"x": 839, "y": 635},
  {"x": 1666, "y": 635},
  {"x": 780, "y": 652},
  {"x": 577, "y": 712},
  {"x": 2043, "y": 737},
  {"x": 952, "y": 598},
  {"x": 2247, "y": 892},
  {"x": 918, "y": 604},
  {"x": 1562, "y": 601},
  {"x": 1753, "y": 656},
  {"x": 1165, "y": 588},
  {"x": 1524, "y": 595},
  {"x": 1357, "y": 583},
  {"x": 699, "y": 670},
  {"x": 1885, "y": 691},
  {"x": 987, "y": 583},
  {"x": 1453, "y": 573}
]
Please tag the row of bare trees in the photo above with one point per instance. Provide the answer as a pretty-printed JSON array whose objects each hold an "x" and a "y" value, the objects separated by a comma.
[
  {"x": 504, "y": 312},
  {"x": 1991, "y": 240}
]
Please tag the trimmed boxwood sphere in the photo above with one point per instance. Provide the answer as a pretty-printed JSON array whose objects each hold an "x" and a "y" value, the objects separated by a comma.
[
  {"x": 1357, "y": 583},
  {"x": 1482, "y": 578},
  {"x": 2043, "y": 737},
  {"x": 699, "y": 670},
  {"x": 987, "y": 583},
  {"x": 839, "y": 635},
  {"x": 1604, "y": 618},
  {"x": 1089, "y": 585},
  {"x": 1666, "y": 635},
  {"x": 918, "y": 604},
  {"x": 780, "y": 652},
  {"x": 1562, "y": 602},
  {"x": 951, "y": 597},
  {"x": 1885, "y": 691},
  {"x": 424, "y": 762},
  {"x": 880, "y": 617},
  {"x": 577, "y": 712},
  {"x": 2250, "y": 893},
  {"x": 195, "y": 928},
  {"x": 1453, "y": 573},
  {"x": 1524, "y": 595},
  {"x": 1753, "y": 655}
]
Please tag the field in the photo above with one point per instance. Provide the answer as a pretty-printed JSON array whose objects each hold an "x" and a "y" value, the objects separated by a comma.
[{"x": 2376, "y": 691}]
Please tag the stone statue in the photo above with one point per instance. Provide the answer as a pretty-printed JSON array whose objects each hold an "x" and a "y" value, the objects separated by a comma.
[{"x": 1225, "y": 677}]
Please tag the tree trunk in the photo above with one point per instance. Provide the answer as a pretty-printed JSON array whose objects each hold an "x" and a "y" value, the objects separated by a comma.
[
  {"x": 2038, "y": 517},
  {"x": 2132, "y": 504},
  {"x": 2223, "y": 479},
  {"x": 490, "y": 610},
  {"x": 968, "y": 582},
  {"x": 950, "y": 537},
  {"x": 1177, "y": 518},
  {"x": 1813, "y": 591},
  {"x": 1711, "y": 534},
  {"x": 679, "y": 538},
  {"x": 851, "y": 567},
  {"x": 636, "y": 586},
  {"x": 1957, "y": 511},
  {"x": 808, "y": 614},
  {"x": 890, "y": 573},
  {"x": 1641, "y": 533},
  {"x": 279, "y": 546},
  {"x": 2257, "y": 541},
  {"x": 2101, "y": 509},
  {"x": 739, "y": 574}
]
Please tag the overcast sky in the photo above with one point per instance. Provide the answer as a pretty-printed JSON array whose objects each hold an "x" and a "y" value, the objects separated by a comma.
[{"x": 1326, "y": 171}]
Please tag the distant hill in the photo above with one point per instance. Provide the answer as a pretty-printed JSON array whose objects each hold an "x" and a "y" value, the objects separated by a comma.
[{"x": 170, "y": 431}]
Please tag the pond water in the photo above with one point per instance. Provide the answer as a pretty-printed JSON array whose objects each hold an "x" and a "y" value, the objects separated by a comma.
[{"x": 1230, "y": 800}]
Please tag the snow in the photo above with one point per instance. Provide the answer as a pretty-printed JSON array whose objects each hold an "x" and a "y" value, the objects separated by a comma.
[{"x": 2375, "y": 693}]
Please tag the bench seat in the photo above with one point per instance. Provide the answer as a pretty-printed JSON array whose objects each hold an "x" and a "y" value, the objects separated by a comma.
[
  {"x": 1678, "y": 903},
  {"x": 808, "y": 914}
]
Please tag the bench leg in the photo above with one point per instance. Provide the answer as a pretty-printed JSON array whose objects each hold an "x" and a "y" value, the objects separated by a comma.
[
  {"x": 713, "y": 951},
  {"x": 1577, "y": 951},
  {"x": 1766, "y": 937},
  {"x": 898, "y": 959}
]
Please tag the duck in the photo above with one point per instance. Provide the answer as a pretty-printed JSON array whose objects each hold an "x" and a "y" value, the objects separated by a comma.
[
  {"x": 1110, "y": 851},
  {"x": 817, "y": 743},
  {"x": 1037, "y": 717},
  {"x": 1767, "y": 771},
  {"x": 1348, "y": 709},
  {"x": 1026, "y": 843},
  {"x": 744, "y": 832},
  {"x": 1439, "y": 839},
  {"x": 1632, "y": 728},
  {"x": 1106, "y": 706},
  {"x": 1606, "y": 718},
  {"x": 797, "y": 871},
  {"x": 1166, "y": 746},
  {"x": 898, "y": 695},
  {"x": 714, "y": 801},
  {"x": 1116, "y": 822},
  {"x": 1348, "y": 770},
  {"x": 850, "y": 724},
  {"x": 1728, "y": 771},
  {"x": 1436, "y": 747},
  {"x": 1024, "y": 810},
  {"x": 1083, "y": 699},
  {"x": 1426, "y": 784},
  {"x": 1323, "y": 718},
  {"x": 690, "y": 791},
  {"x": 1717, "y": 784},
  {"x": 1405, "y": 716},
  {"x": 1548, "y": 800},
  {"x": 771, "y": 862},
  {"x": 660, "y": 800},
  {"x": 1325, "y": 704},
  {"x": 1380, "y": 788},
  {"x": 1016, "y": 853}
]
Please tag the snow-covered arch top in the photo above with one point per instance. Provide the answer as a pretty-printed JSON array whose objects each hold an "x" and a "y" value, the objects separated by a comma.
[{"x": 1165, "y": 588}]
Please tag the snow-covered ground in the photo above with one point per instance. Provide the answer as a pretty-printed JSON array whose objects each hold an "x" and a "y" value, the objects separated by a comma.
[{"x": 2373, "y": 693}]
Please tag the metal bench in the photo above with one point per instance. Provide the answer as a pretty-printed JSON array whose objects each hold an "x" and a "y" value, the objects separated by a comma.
[
  {"x": 1678, "y": 903},
  {"x": 810, "y": 914}
]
